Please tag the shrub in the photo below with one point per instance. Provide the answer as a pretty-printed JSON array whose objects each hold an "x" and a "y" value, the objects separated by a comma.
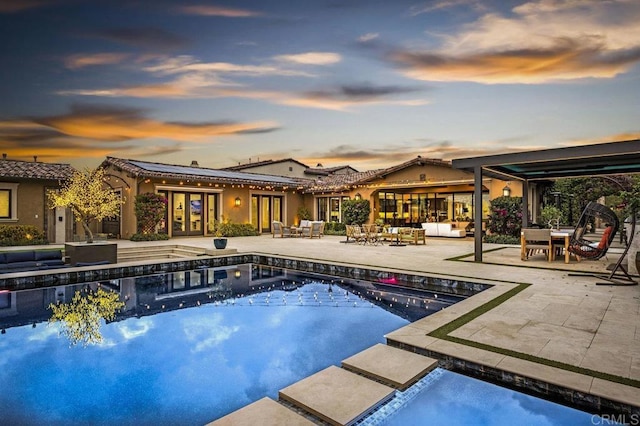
[
  {"x": 229, "y": 229},
  {"x": 505, "y": 217},
  {"x": 21, "y": 235},
  {"x": 304, "y": 213},
  {"x": 149, "y": 237},
  {"x": 356, "y": 212},
  {"x": 501, "y": 239},
  {"x": 335, "y": 228},
  {"x": 549, "y": 215},
  {"x": 150, "y": 209}
]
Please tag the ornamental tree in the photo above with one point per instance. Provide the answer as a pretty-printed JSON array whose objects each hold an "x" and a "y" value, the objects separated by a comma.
[
  {"x": 88, "y": 198},
  {"x": 150, "y": 209}
]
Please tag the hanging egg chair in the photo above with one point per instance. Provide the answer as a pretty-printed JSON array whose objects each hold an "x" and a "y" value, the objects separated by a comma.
[{"x": 591, "y": 245}]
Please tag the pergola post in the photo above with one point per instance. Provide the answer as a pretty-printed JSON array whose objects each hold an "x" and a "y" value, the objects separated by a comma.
[
  {"x": 477, "y": 213},
  {"x": 525, "y": 204}
]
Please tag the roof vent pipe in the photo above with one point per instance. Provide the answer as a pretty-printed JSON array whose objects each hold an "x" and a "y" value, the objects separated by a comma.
[
  {"x": 194, "y": 163},
  {"x": 4, "y": 155},
  {"x": 35, "y": 158}
]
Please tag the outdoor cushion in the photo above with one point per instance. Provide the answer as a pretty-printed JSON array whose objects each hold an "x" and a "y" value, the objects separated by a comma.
[
  {"x": 20, "y": 256},
  {"x": 51, "y": 262},
  {"x": 29, "y": 264},
  {"x": 99, "y": 262},
  {"x": 604, "y": 241},
  {"x": 41, "y": 255}
]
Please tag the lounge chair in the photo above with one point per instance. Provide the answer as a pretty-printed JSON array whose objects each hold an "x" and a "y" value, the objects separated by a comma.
[
  {"x": 278, "y": 228},
  {"x": 371, "y": 234},
  {"x": 354, "y": 233},
  {"x": 412, "y": 235},
  {"x": 316, "y": 229}
]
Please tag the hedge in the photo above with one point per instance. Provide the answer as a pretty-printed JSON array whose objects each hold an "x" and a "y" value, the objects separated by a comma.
[{"x": 21, "y": 235}]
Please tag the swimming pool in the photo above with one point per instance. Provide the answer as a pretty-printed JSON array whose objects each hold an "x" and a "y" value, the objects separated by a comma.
[{"x": 191, "y": 346}]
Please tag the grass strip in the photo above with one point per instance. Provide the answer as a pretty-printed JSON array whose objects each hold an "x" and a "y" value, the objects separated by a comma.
[{"x": 444, "y": 331}]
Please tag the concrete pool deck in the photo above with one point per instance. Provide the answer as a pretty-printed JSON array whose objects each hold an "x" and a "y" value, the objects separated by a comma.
[{"x": 558, "y": 318}]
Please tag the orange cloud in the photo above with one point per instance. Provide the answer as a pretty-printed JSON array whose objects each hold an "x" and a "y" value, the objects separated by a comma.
[
  {"x": 81, "y": 61},
  {"x": 93, "y": 131},
  {"x": 538, "y": 42},
  {"x": 212, "y": 10},
  {"x": 529, "y": 66},
  {"x": 627, "y": 136},
  {"x": 311, "y": 58},
  {"x": 15, "y": 6},
  {"x": 113, "y": 124}
]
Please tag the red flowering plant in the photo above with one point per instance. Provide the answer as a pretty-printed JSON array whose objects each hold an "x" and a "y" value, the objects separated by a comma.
[
  {"x": 150, "y": 209},
  {"x": 505, "y": 217}
]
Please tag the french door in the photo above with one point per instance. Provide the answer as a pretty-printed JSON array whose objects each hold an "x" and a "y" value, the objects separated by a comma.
[
  {"x": 186, "y": 214},
  {"x": 264, "y": 210}
]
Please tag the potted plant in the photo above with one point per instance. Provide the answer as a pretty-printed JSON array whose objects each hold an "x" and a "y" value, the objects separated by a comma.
[{"x": 219, "y": 240}]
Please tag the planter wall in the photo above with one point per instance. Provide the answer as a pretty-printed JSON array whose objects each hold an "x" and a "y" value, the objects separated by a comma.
[{"x": 87, "y": 253}]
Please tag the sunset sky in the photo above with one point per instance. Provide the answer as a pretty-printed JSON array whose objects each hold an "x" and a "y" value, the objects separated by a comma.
[{"x": 361, "y": 82}]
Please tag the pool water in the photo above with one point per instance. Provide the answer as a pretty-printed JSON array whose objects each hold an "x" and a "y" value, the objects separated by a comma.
[
  {"x": 192, "y": 346},
  {"x": 446, "y": 397},
  {"x": 188, "y": 365}
]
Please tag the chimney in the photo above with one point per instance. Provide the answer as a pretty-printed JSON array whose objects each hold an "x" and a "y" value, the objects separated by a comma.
[{"x": 194, "y": 163}]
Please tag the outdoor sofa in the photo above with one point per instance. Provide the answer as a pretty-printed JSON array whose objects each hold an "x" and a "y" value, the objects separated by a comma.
[
  {"x": 440, "y": 229},
  {"x": 30, "y": 260}
]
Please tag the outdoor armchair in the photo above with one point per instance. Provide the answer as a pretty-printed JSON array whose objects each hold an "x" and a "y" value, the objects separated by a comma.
[
  {"x": 278, "y": 228},
  {"x": 534, "y": 240}
]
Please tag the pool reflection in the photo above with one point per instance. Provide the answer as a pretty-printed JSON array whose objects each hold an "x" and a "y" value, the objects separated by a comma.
[{"x": 186, "y": 348}]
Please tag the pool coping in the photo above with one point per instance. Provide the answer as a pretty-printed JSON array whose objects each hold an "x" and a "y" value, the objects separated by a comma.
[{"x": 574, "y": 389}]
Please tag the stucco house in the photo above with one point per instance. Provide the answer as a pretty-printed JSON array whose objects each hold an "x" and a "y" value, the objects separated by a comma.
[
  {"x": 418, "y": 190},
  {"x": 23, "y": 196}
]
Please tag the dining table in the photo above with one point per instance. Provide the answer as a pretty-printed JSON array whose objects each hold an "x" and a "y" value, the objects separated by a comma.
[{"x": 561, "y": 235}]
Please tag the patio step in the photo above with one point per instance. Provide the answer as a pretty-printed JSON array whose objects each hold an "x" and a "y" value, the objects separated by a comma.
[
  {"x": 128, "y": 254},
  {"x": 265, "y": 412},
  {"x": 392, "y": 366},
  {"x": 337, "y": 396},
  {"x": 340, "y": 396}
]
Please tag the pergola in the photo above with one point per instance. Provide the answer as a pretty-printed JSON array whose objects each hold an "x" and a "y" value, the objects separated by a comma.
[{"x": 589, "y": 160}]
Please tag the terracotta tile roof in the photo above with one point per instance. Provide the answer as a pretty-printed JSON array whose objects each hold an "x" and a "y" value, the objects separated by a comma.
[
  {"x": 171, "y": 171},
  {"x": 263, "y": 163},
  {"x": 322, "y": 183},
  {"x": 34, "y": 170},
  {"x": 327, "y": 170},
  {"x": 341, "y": 182}
]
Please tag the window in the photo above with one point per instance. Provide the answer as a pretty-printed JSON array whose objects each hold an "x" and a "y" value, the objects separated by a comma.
[
  {"x": 5, "y": 203},
  {"x": 8, "y": 201}
]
